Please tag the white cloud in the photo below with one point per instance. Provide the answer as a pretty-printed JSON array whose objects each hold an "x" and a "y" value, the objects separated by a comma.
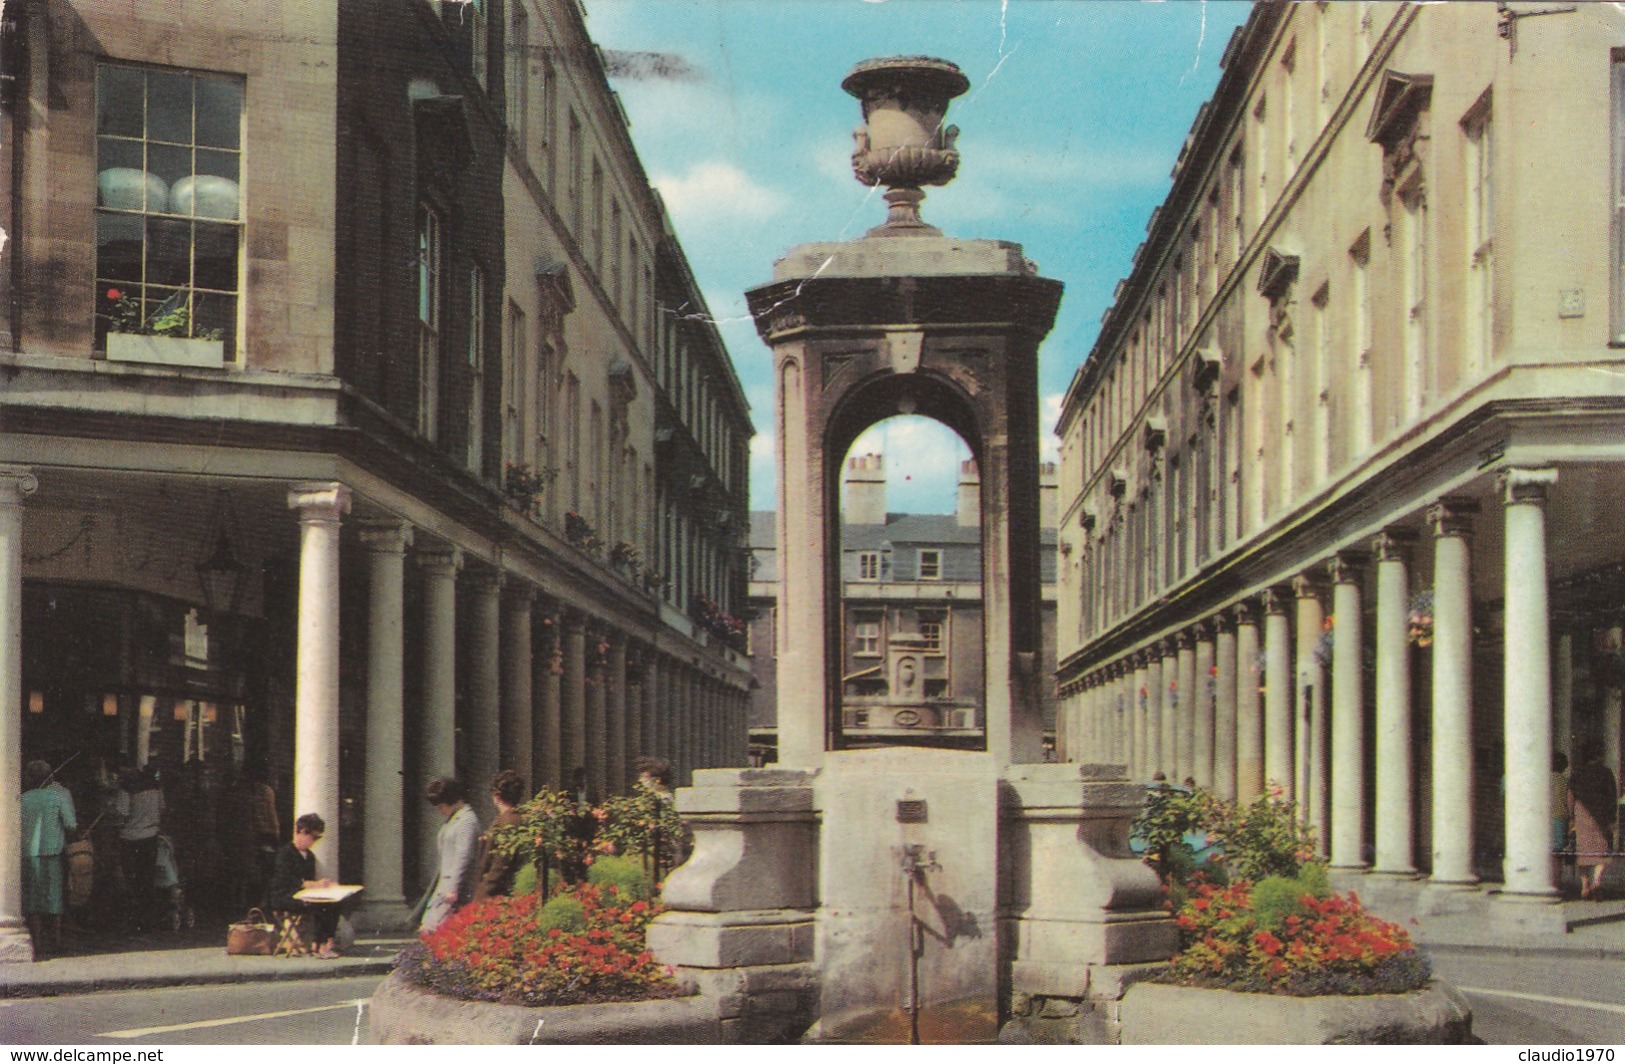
[
  {"x": 1049, "y": 445},
  {"x": 716, "y": 191}
]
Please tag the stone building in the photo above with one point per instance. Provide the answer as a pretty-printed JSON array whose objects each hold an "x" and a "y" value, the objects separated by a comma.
[
  {"x": 1336, "y": 476},
  {"x": 361, "y": 419},
  {"x": 912, "y": 618}
]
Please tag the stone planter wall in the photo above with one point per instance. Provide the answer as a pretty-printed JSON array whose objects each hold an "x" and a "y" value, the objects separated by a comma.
[
  {"x": 1154, "y": 1014},
  {"x": 402, "y": 1014}
]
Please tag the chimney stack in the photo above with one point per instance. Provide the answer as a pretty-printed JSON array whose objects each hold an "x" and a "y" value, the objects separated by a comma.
[
  {"x": 969, "y": 506},
  {"x": 865, "y": 490}
]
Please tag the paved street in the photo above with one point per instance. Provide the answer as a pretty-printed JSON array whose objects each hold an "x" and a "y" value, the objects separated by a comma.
[
  {"x": 1539, "y": 1000},
  {"x": 314, "y": 1012}
]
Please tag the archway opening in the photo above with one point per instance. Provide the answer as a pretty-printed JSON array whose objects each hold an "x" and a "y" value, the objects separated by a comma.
[{"x": 910, "y": 582}]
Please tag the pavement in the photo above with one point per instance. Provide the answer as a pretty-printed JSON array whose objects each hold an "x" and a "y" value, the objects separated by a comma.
[
  {"x": 1472, "y": 922},
  {"x": 182, "y": 958}
]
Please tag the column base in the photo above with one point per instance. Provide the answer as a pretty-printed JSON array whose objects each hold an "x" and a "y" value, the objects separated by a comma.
[
  {"x": 1527, "y": 914},
  {"x": 1440, "y": 898},
  {"x": 16, "y": 945},
  {"x": 382, "y": 914}
]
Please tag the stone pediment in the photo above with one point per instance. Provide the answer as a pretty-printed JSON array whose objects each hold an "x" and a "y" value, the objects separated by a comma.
[
  {"x": 1278, "y": 270},
  {"x": 1400, "y": 98}
]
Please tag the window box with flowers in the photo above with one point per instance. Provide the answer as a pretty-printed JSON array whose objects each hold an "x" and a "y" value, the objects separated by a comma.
[
  {"x": 523, "y": 486},
  {"x": 580, "y": 534},
  {"x": 163, "y": 336},
  {"x": 626, "y": 557}
]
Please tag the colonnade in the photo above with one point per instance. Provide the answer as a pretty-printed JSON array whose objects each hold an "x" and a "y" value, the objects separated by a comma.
[
  {"x": 1281, "y": 704},
  {"x": 547, "y": 685}
]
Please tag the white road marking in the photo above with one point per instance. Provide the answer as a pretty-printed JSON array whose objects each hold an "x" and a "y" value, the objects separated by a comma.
[
  {"x": 1578, "y": 1003},
  {"x": 226, "y": 1021}
]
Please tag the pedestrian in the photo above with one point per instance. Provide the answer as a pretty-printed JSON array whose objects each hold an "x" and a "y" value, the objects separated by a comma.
[
  {"x": 1594, "y": 809},
  {"x": 141, "y": 805},
  {"x": 47, "y": 825},
  {"x": 459, "y": 845},
  {"x": 583, "y": 828},
  {"x": 497, "y": 868},
  {"x": 295, "y": 870}
]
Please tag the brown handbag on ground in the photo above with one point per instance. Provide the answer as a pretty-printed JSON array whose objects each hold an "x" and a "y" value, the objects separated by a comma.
[{"x": 253, "y": 936}]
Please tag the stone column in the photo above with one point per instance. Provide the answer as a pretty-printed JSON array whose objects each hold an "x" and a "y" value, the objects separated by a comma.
[
  {"x": 518, "y": 683},
  {"x": 1528, "y": 721},
  {"x": 1452, "y": 693},
  {"x": 316, "y": 684},
  {"x": 1116, "y": 720},
  {"x": 1202, "y": 702},
  {"x": 1393, "y": 833},
  {"x": 384, "y": 903},
  {"x": 1186, "y": 720},
  {"x": 16, "y": 484},
  {"x": 1278, "y": 768},
  {"x": 597, "y": 733},
  {"x": 1348, "y": 715},
  {"x": 1152, "y": 698},
  {"x": 615, "y": 716},
  {"x": 437, "y": 748},
  {"x": 1224, "y": 706},
  {"x": 550, "y": 730},
  {"x": 574, "y": 697},
  {"x": 1249, "y": 716},
  {"x": 484, "y": 691},
  {"x": 1314, "y": 792},
  {"x": 1172, "y": 709},
  {"x": 650, "y": 709},
  {"x": 634, "y": 709}
]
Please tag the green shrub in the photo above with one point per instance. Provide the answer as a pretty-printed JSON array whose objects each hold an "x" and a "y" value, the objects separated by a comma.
[
  {"x": 525, "y": 881},
  {"x": 564, "y": 912},
  {"x": 1277, "y": 897},
  {"x": 625, "y": 874},
  {"x": 1264, "y": 838}
]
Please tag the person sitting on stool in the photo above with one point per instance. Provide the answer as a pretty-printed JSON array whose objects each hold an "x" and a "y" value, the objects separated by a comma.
[{"x": 295, "y": 870}]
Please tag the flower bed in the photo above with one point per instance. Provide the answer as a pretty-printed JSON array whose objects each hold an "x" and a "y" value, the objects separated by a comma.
[
  {"x": 585, "y": 944},
  {"x": 1264, "y": 940},
  {"x": 1258, "y": 915}
]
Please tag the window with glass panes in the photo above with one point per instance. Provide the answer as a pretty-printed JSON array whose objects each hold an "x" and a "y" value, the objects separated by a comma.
[{"x": 168, "y": 208}]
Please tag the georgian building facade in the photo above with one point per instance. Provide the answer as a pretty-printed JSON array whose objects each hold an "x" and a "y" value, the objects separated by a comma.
[
  {"x": 1337, "y": 476},
  {"x": 361, "y": 419}
]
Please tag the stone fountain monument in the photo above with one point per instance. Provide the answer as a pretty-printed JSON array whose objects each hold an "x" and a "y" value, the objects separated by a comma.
[{"x": 903, "y": 893}]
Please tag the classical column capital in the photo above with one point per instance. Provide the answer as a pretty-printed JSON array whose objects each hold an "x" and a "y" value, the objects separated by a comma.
[
  {"x": 1245, "y": 612},
  {"x": 440, "y": 560},
  {"x": 519, "y": 596},
  {"x": 1346, "y": 565},
  {"x": 16, "y": 484},
  {"x": 1168, "y": 646},
  {"x": 1393, "y": 544},
  {"x": 386, "y": 537},
  {"x": 1222, "y": 622},
  {"x": 1306, "y": 586},
  {"x": 1452, "y": 516},
  {"x": 1273, "y": 600},
  {"x": 324, "y": 501},
  {"x": 574, "y": 621},
  {"x": 1202, "y": 631},
  {"x": 1180, "y": 641},
  {"x": 1519, "y": 485},
  {"x": 487, "y": 581}
]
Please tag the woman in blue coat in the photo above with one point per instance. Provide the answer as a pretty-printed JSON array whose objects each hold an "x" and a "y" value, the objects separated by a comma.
[{"x": 48, "y": 824}]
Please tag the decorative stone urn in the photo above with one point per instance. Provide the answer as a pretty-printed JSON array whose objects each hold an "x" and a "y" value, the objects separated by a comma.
[{"x": 903, "y": 143}]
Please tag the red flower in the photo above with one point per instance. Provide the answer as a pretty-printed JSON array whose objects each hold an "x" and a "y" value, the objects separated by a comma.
[
  {"x": 1267, "y": 942},
  {"x": 114, "y": 295}
]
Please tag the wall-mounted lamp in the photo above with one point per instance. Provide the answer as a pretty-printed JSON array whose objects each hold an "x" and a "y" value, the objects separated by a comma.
[{"x": 221, "y": 573}]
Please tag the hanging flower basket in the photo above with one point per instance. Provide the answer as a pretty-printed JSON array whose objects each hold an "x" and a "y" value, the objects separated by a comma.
[{"x": 1419, "y": 623}]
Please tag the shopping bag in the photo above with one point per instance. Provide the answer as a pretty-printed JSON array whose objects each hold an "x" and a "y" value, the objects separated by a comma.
[{"x": 253, "y": 936}]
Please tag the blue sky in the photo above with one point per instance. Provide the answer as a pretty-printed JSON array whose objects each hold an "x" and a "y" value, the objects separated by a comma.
[{"x": 1076, "y": 113}]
